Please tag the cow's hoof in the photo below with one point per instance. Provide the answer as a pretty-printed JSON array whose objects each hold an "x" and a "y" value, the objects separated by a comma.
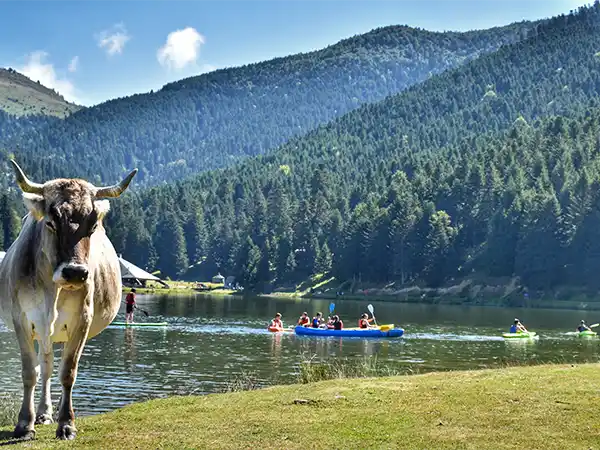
[
  {"x": 44, "y": 419},
  {"x": 66, "y": 432},
  {"x": 24, "y": 433}
]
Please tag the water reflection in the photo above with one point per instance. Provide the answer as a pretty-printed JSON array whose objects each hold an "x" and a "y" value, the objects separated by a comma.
[{"x": 210, "y": 341}]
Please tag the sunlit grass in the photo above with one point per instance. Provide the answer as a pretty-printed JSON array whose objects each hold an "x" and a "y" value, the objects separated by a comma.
[{"x": 542, "y": 407}]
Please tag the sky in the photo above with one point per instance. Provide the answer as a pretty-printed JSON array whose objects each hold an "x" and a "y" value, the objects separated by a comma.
[{"x": 94, "y": 50}]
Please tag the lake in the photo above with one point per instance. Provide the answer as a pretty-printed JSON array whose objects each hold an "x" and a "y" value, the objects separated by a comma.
[{"x": 212, "y": 340}]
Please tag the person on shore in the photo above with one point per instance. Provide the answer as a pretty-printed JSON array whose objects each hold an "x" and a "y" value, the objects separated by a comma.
[
  {"x": 317, "y": 320},
  {"x": 583, "y": 327},
  {"x": 517, "y": 327},
  {"x": 130, "y": 306},
  {"x": 276, "y": 322},
  {"x": 364, "y": 321},
  {"x": 304, "y": 320},
  {"x": 336, "y": 323}
]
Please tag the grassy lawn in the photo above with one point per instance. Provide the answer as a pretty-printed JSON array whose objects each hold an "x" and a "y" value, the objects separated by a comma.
[{"x": 543, "y": 407}]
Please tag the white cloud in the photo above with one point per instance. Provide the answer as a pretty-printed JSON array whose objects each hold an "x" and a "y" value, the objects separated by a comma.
[
  {"x": 114, "y": 39},
  {"x": 182, "y": 48},
  {"x": 74, "y": 64},
  {"x": 38, "y": 69}
]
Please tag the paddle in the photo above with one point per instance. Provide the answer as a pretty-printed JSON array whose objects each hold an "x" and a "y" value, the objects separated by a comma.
[
  {"x": 372, "y": 311},
  {"x": 595, "y": 325},
  {"x": 142, "y": 310},
  {"x": 332, "y": 307}
]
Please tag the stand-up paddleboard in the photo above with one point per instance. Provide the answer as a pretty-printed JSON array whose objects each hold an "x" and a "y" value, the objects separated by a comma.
[{"x": 139, "y": 324}]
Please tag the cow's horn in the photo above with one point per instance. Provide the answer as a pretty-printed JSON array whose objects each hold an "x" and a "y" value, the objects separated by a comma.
[
  {"x": 24, "y": 183},
  {"x": 117, "y": 189}
]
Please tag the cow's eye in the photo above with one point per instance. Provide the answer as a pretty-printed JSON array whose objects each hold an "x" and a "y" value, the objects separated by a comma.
[{"x": 50, "y": 226}]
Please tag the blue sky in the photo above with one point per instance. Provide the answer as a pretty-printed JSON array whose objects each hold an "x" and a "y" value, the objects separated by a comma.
[{"x": 91, "y": 51}]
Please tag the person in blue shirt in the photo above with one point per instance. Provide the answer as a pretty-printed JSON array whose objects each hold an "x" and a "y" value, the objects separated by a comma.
[
  {"x": 583, "y": 327},
  {"x": 517, "y": 327},
  {"x": 316, "y": 321}
]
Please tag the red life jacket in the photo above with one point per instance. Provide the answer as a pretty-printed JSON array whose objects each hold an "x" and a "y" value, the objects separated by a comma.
[
  {"x": 130, "y": 299},
  {"x": 277, "y": 323},
  {"x": 363, "y": 323},
  {"x": 303, "y": 321}
]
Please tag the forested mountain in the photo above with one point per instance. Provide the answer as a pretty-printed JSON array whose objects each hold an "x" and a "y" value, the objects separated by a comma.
[
  {"x": 21, "y": 96},
  {"x": 217, "y": 118},
  {"x": 462, "y": 173}
]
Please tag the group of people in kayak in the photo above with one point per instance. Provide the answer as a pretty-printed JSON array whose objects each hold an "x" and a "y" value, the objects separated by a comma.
[
  {"x": 333, "y": 322},
  {"x": 518, "y": 327}
]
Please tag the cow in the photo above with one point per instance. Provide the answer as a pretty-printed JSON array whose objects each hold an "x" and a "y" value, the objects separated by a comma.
[{"x": 60, "y": 282}]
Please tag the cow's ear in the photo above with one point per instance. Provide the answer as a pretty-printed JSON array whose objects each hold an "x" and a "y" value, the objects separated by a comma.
[
  {"x": 35, "y": 204},
  {"x": 102, "y": 207}
]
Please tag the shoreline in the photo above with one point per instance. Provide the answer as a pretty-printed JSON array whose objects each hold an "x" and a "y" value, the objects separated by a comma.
[
  {"x": 443, "y": 410},
  {"x": 497, "y": 293}
]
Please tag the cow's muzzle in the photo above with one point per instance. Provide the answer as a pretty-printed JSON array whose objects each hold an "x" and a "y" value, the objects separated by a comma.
[{"x": 71, "y": 276}]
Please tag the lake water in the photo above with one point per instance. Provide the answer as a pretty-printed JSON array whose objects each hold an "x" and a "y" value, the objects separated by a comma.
[{"x": 212, "y": 340}]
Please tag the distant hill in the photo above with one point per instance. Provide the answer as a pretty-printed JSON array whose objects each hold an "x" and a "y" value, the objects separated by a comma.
[
  {"x": 21, "y": 96},
  {"x": 490, "y": 169},
  {"x": 216, "y": 119}
]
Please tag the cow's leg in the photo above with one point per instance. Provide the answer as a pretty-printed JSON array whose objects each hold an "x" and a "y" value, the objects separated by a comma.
[
  {"x": 68, "y": 374},
  {"x": 44, "y": 409},
  {"x": 29, "y": 372}
]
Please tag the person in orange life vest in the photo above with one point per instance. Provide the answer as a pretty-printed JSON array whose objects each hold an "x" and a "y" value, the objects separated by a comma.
[
  {"x": 364, "y": 321},
  {"x": 304, "y": 320},
  {"x": 129, "y": 306},
  {"x": 276, "y": 322}
]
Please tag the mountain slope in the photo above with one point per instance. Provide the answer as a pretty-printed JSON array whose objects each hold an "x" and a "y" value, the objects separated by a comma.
[
  {"x": 452, "y": 176},
  {"x": 213, "y": 120},
  {"x": 21, "y": 96}
]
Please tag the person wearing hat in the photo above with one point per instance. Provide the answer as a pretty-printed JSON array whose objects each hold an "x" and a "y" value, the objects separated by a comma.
[
  {"x": 583, "y": 327},
  {"x": 517, "y": 327}
]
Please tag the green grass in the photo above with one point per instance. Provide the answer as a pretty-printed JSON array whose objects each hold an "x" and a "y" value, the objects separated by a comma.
[
  {"x": 21, "y": 96},
  {"x": 542, "y": 407}
]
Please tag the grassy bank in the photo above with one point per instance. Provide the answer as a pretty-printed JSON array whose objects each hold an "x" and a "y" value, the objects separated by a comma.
[{"x": 543, "y": 407}]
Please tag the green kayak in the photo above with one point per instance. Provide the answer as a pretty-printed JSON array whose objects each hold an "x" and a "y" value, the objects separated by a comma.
[
  {"x": 587, "y": 333},
  {"x": 528, "y": 335},
  {"x": 140, "y": 324}
]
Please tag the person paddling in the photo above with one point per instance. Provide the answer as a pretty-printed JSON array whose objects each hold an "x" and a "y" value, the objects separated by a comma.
[
  {"x": 304, "y": 320},
  {"x": 276, "y": 322},
  {"x": 364, "y": 321},
  {"x": 517, "y": 327},
  {"x": 129, "y": 306},
  {"x": 583, "y": 327}
]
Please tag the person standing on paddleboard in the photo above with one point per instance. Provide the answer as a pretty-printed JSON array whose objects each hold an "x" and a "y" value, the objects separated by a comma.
[{"x": 129, "y": 306}]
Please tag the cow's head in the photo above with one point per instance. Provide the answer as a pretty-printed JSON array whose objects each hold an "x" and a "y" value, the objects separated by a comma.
[{"x": 71, "y": 210}]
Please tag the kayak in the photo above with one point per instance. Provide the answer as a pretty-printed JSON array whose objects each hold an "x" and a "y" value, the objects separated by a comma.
[
  {"x": 350, "y": 332},
  {"x": 140, "y": 324},
  {"x": 521, "y": 335},
  {"x": 587, "y": 333}
]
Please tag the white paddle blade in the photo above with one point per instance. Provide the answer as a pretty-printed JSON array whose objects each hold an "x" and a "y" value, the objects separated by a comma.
[{"x": 370, "y": 308}]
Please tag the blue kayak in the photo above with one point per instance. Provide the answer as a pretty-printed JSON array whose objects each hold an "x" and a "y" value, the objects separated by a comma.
[{"x": 349, "y": 332}]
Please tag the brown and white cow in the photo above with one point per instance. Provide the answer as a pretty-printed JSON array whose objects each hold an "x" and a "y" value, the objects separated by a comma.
[{"x": 60, "y": 281}]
